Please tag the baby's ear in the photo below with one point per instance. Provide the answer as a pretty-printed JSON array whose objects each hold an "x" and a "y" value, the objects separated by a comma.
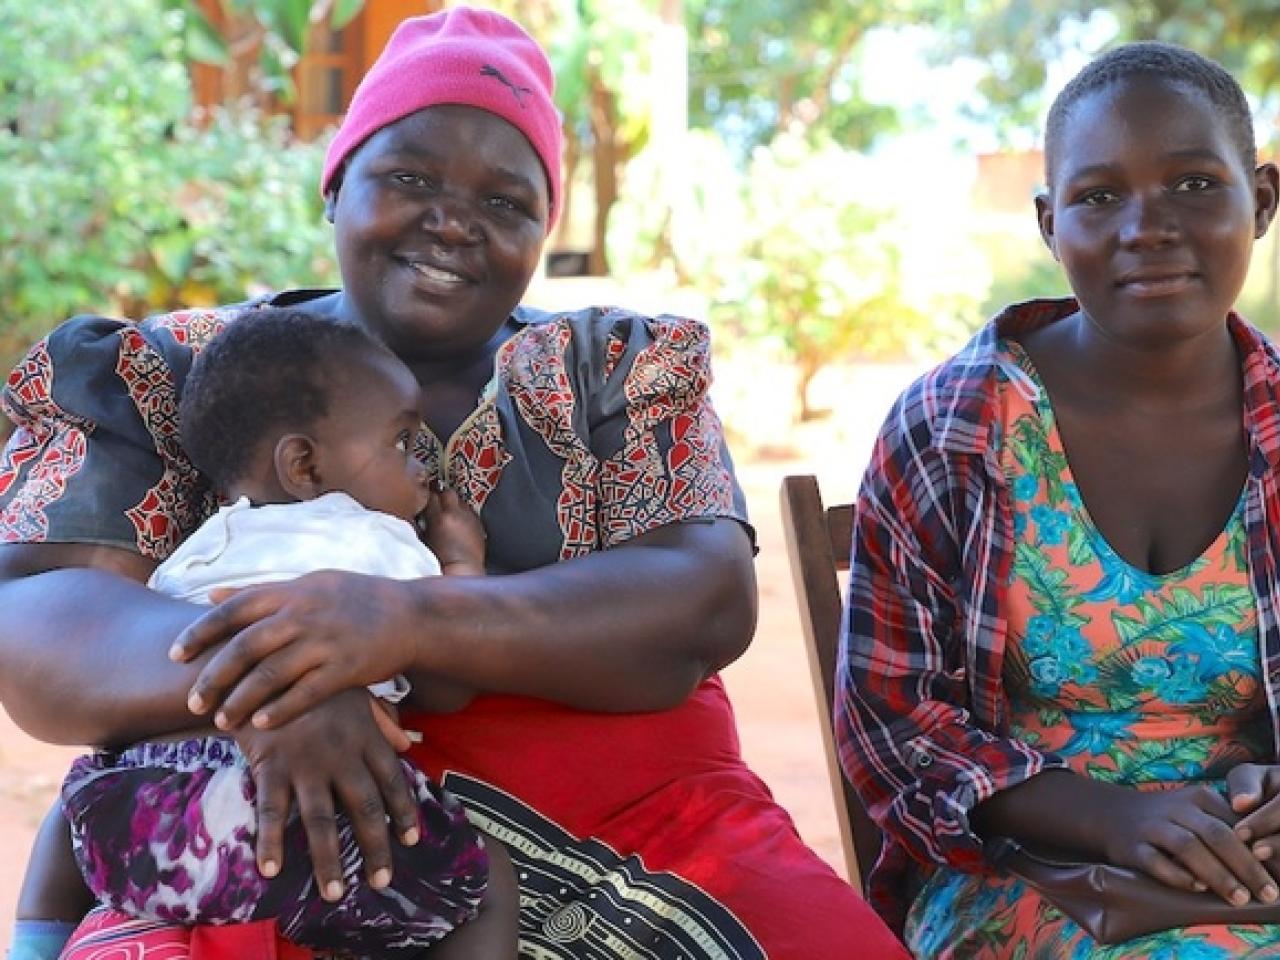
[{"x": 297, "y": 467}]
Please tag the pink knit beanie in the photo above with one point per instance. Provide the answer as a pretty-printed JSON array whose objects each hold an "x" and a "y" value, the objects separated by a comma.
[{"x": 477, "y": 58}]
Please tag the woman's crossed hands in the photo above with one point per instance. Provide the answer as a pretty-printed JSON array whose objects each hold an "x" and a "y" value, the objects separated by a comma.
[{"x": 1193, "y": 838}]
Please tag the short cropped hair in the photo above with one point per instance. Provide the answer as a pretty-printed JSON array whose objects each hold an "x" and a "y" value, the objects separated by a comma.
[
  {"x": 1168, "y": 63},
  {"x": 271, "y": 371}
]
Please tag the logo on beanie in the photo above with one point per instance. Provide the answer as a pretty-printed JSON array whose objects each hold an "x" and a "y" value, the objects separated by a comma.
[{"x": 516, "y": 91}]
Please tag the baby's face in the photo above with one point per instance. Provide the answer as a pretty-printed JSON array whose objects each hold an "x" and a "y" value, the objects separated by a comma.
[{"x": 365, "y": 445}]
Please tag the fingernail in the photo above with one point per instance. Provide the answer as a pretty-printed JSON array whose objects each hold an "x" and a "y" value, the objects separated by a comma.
[
  {"x": 270, "y": 868},
  {"x": 333, "y": 890},
  {"x": 381, "y": 878},
  {"x": 1263, "y": 852},
  {"x": 1244, "y": 833},
  {"x": 1269, "y": 893},
  {"x": 221, "y": 721},
  {"x": 175, "y": 653},
  {"x": 195, "y": 703},
  {"x": 1239, "y": 896},
  {"x": 410, "y": 836},
  {"x": 1199, "y": 887},
  {"x": 261, "y": 720}
]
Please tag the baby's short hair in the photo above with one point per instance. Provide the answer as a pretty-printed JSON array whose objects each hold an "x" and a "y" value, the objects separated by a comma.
[
  {"x": 1168, "y": 63},
  {"x": 271, "y": 371}
]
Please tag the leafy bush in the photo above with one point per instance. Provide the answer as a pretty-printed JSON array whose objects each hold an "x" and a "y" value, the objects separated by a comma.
[
  {"x": 830, "y": 270},
  {"x": 114, "y": 196}
]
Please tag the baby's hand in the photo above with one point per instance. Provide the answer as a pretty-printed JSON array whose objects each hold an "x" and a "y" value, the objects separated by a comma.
[{"x": 454, "y": 533}]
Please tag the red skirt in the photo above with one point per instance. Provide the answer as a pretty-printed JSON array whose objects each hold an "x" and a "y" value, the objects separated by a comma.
[{"x": 108, "y": 935}]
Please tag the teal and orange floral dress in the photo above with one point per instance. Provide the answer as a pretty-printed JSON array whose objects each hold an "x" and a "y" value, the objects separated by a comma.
[{"x": 1131, "y": 677}]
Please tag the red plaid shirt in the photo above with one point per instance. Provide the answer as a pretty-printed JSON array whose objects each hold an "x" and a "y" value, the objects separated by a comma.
[{"x": 921, "y": 710}]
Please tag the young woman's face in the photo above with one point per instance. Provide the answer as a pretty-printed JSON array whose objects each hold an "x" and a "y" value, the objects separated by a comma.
[
  {"x": 439, "y": 224},
  {"x": 1153, "y": 211},
  {"x": 364, "y": 447}
]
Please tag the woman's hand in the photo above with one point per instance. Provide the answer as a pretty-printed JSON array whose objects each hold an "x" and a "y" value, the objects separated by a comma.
[
  {"x": 1254, "y": 790},
  {"x": 289, "y": 646},
  {"x": 336, "y": 756},
  {"x": 1185, "y": 839}
]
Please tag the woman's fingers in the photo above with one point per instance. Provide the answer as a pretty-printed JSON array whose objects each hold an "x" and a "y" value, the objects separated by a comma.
[
  {"x": 262, "y": 698},
  {"x": 262, "y": 664},
  {"x": 1255, "y": 792},
  {"x": 316, "y": 811},
  {"x": 402, "y": 807},
  {"x": 287, "y": 647},
  {"x": 1249, "y": 785},
  {"x": 371, "y": 804},
  {"x": 1151, "y": 861},
  {"x": 221, "y": 622},
  {"x": 336, "y": 765},
  {"x": 273, "y": 799},
  {"x": 1209, "y": 849},
  {"x": 396, "y": 736}
]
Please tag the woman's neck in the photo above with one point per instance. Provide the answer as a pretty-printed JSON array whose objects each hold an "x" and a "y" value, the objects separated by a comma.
[{"x": 1080, "y": 358}]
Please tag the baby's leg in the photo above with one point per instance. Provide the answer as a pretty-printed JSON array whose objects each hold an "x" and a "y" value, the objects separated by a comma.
[
  {"x": 53, "y": 899},
  {"x": 53, "y": 888},
  {"x": 165, "y": 830},
  {"x": 494, "y": 932}
]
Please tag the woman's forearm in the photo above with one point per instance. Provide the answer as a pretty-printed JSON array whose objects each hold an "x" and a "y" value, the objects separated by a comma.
[
  {"x": 1055, "y": 809},
  {"x": 629, "y": 629},
  {"x": 83, "y": 653}
]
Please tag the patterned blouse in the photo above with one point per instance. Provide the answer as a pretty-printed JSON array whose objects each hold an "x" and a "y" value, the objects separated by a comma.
[{"x": 595, "y": 428}]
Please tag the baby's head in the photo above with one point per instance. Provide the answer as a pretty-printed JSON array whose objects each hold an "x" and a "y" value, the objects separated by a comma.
[
  {"x": 284, "y": 405},
  {"x": 1161, "y": 63}
]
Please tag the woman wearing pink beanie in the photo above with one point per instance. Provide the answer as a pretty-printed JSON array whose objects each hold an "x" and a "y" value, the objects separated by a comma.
[{"x": 596, "y": 741}]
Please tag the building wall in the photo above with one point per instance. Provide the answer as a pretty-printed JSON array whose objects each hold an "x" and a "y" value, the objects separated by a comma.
[{"x": 325, "y": 78}]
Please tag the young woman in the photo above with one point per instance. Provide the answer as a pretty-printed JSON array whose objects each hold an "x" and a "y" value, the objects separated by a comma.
[{"x": 1063, "y": 623}]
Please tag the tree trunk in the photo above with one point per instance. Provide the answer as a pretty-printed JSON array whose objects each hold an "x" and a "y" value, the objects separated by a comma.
[
  {"x": 606, "y": 157},
  {"x": 572, "y": 157},
  {"x": 806, "y": 370}
]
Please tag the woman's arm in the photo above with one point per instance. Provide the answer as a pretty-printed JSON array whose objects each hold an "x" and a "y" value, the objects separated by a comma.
[
  {"x": 633, "y": 628},
  {"x": 925, "y": 543},
  {"x": 82, "y": 660},
  {"x": 82, "y": 645}
]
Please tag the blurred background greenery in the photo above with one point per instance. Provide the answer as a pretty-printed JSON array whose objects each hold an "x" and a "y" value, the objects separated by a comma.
[{"x": 829, "y": 180}]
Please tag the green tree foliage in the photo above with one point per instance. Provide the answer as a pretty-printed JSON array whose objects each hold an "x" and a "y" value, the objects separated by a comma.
[
  {"x": 760, "y": 68},
  {"x": 112, "y": 198},
  {"x": 1017, "y": 39},
  {"x": 811, "y": 264}
]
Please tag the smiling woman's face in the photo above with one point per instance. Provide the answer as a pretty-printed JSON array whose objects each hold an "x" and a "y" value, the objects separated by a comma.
[
  {"x": 439, "y": 224},
  {"x": 1153, "y": 211}
]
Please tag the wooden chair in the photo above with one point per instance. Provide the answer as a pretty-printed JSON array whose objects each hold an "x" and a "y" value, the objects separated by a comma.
[{"x": 818, "y": 544}]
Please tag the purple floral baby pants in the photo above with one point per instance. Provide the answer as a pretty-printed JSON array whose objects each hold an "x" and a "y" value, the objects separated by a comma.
[{"x": 166, "y": 831}]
